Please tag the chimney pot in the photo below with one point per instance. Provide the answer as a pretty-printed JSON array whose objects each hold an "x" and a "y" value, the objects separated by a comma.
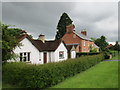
[
  {"x": 84, "y": 32},
  {"x": 42, "y": 38}
]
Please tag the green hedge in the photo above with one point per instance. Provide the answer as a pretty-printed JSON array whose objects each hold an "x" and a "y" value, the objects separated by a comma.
[
  {"x": 86, "y": 53},
  {"x": 43, "y": 76}
]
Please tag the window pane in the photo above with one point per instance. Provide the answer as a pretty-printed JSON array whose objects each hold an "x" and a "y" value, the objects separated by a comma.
[
  {"x": 21, "y": 57},
  {"x": 28, "y": 56},
  {"x": 61, "y": 54},
  {"x": 24, "y": 53}
]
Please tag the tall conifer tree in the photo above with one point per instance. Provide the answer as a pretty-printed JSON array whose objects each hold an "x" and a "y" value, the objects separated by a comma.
[{"x": 61, "y": 27}]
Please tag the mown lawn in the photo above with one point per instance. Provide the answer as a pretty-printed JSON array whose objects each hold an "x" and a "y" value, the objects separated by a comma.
[{"x": 103, "y": 75}]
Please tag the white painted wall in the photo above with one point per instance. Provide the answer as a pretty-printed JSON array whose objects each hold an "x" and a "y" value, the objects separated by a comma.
[
  {"x": 50, "y": 56},
  {"x": 27, "y": 46},
  {"x": 37, "y": 57},
  {"x": 56, "y": 53},
  {"x": 73, "y": 54}
]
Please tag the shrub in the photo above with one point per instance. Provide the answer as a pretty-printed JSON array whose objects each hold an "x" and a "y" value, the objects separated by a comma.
[
  {"x": 86, "y": 53},
  {"x": 43, "y": 76}
]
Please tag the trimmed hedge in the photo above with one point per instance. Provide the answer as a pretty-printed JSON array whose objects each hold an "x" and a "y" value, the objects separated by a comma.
[
  {"x": 42, "y": 76},
  {"x": 86, "y": 53}
]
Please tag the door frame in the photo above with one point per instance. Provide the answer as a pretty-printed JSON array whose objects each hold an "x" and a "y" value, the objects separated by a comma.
[{"x": 44, "y": 57}]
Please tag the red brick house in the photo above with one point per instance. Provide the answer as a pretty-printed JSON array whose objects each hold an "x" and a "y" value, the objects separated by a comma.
[{"x": 80, "y": 40}]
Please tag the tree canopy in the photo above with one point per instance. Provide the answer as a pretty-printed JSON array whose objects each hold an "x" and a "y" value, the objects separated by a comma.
[
  {"x": 9, "y": 40},
  {"x": 116, "y": 46},
  {"x": 101, "y": 42},
  {"x": 61, "y": 27}
]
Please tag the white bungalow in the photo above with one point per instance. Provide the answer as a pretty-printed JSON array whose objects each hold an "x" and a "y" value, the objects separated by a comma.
[{"x": 40, "y": 51}]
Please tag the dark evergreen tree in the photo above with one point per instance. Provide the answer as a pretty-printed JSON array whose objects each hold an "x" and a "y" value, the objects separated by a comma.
[
  {"x": 61, "y": 27},
  {"x": 116, "y": 46}
]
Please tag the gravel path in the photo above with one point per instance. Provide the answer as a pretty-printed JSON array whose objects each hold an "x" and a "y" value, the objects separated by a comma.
[{"x": 112, "y": 60}]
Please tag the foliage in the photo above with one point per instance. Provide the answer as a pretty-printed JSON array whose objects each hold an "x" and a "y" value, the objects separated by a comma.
[
  {"x": 101, "y": 42},
  {"x": 78, "y": 54},
  {"x": 61, "y": 27},
  {"x": 116, "y": 46},
  {"x": 93, "y": 50},
  {"x": 43, "y": 76},
  {"x": 9, "y": 41}
]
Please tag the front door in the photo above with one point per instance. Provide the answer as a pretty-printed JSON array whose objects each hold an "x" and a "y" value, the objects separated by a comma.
[{"x": 45, "y": 57}]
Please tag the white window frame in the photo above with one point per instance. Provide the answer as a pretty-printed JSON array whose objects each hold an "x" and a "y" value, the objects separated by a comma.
[
  {"x": 61, "y": 57},
  {"x": 25, "y": 56}
]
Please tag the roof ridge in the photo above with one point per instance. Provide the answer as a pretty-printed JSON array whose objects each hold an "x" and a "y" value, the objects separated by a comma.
[{"x": 82, "y": 36}]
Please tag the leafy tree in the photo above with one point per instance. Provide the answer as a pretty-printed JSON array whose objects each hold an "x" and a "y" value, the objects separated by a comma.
[
  {"x": 9, "y": 41},
  {"x": 93, "y": 49},
  {"x": 102, "y": 43},
  {"x": 61, "y": 27}
]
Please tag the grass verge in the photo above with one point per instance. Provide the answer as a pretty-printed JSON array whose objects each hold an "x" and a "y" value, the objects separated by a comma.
[{"x": 103, "y": 75}]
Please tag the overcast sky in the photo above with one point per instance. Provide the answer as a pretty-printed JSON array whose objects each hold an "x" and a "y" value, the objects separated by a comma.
[{"x": 98, "y": 18}]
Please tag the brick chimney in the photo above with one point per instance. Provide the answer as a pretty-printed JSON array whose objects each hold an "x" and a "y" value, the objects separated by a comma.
[
  {"x": 42, "y": 38},
  {"x": 70, "y": 28},
  {"x": 23, "y": 32},
  {"x": 84, "y": 32}
]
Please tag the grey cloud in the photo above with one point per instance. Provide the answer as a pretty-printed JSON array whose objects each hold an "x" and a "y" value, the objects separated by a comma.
[{"x": 42, "y": 17}]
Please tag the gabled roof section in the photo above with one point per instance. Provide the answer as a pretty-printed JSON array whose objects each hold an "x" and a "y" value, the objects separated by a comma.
[
  {"x": 23, "y": 36},
  {"x": 48, "y": 45},
  {"x": 70, "y": 47},
  {"x": 82, "y": 36}
]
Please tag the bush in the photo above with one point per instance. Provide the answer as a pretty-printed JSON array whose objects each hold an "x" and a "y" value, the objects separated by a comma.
[
  {"x": 43, "y": 76},
  {"x": 86, "y": 53}
]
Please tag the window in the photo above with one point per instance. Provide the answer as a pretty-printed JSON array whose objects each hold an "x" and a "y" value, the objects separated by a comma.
[
  {"x": 25, "y": 56},
  {"x": 28, "y": 56},
  {"x": 88, "y": 44},
  {"x": 84, "y": 43},
  {"x": 61, "y": 54},
  {"x": 21, "y": 57}
]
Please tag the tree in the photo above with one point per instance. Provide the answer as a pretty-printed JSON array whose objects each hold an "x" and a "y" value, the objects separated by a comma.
[
  {"x": 61, "y": 27},
  {"x": 116, "y": 46},
  {"x": 101, "y": 42},
  {"x": 9, "y": 41}
]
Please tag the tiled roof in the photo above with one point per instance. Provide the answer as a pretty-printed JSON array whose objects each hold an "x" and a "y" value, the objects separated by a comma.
[
  {"x": 73, "y": 44},
  {"x": 82, "y": 36},
  {"x": 69, "y": 47},
  {"x": 109, "y": 46},
  {"x": 47, "y": 46}
]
